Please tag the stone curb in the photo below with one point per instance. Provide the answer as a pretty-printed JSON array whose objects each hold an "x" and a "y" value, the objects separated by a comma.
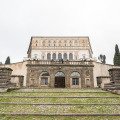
[
  {"x": 59, "y": 92},
  {"x": 70, "y": 114},
  {"x": 15, "y": 103},
  {"x": 54, "y": 97}
]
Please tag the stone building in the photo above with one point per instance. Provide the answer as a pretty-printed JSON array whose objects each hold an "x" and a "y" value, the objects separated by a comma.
[
  {"x": 59, "y": 62},
  {"x": 56, "y": 48}
]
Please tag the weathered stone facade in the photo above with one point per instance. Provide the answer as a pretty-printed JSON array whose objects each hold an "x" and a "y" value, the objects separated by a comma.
[
  {"x": 5, "y": 74},
  {"x": 76, "y": 74},
  {"x": 115, "y": 75}
]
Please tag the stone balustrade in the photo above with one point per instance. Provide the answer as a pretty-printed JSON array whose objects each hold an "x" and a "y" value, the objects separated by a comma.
[{"x": 62, "y": 62}]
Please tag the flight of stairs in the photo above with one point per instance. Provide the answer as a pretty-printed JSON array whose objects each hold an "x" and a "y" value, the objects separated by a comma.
[
  {"x": 111, "y": 86},
  {"x": 59, "y": 104}
]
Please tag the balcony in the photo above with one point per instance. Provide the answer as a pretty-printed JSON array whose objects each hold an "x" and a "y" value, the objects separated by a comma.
[{"x": 60, "y": 62}]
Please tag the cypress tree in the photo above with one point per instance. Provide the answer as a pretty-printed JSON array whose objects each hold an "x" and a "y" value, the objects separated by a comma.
[
  {"x": 7, "y": 60},
  {"x": 116, "y": 59}
]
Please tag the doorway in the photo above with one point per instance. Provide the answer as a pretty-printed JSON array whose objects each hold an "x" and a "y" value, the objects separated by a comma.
[{"x": 59, "y": 82}]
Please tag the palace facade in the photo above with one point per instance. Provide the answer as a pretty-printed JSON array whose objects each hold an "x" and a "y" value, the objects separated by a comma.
[{"x": 59, "y": 62}]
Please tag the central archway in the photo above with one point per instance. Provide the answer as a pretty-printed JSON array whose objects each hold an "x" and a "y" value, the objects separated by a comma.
[{"x": 59, "y": 80}]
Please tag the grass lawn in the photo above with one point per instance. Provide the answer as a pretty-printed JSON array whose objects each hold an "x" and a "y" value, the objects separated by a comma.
[{"x": 60, "y": 109}]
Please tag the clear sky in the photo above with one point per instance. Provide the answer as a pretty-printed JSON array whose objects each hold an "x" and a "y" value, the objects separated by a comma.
[{"x": 21, "y": 19}]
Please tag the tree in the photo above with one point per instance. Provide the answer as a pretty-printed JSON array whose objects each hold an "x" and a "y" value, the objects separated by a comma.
[
  {"x": 116, "y": 59},
  {"x": 7, "y": 60},
  {"x": 102, "y": 58}
]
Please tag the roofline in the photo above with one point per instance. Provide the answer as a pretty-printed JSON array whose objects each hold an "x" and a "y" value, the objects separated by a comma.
[{"x": 60, "y": 37}]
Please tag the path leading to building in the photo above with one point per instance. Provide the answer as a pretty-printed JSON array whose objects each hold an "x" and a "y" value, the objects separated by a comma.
[{"x": 59, "y": 104}]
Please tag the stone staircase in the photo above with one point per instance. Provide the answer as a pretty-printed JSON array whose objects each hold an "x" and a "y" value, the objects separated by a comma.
[
  {"x": 111, "y": 86},
  {"x": 59, "y": 104}
]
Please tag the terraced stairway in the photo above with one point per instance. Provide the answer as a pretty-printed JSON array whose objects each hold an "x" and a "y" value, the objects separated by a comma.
[{"x": 59, "y": 104}]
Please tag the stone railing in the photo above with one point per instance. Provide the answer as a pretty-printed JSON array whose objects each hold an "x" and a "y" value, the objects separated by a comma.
[{"x": 61, "y": 62}]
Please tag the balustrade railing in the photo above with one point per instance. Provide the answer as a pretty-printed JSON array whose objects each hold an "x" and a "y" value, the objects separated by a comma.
[{"x": 62, "y": 62}]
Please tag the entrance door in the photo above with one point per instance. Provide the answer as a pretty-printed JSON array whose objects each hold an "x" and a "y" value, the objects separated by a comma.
[{"x": 59, "y": 82}]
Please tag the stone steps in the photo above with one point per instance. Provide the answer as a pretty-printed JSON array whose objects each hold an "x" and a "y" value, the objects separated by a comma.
[
  {"x": 61, "y": 109},
  {"x": 64, "y": 104},
  {"x": 76, "y": 114},
  {"x": 60, "y": 102},
  {"x": 111, "y": 86},
  {"x": 56, "y": 97}
]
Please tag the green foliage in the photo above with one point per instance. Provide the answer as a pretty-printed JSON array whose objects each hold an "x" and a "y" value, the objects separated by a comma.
[
  {"x": 102, "y": 58},
  {"x": 7, "y": 60},
  {"x": 116, "y": 59}
]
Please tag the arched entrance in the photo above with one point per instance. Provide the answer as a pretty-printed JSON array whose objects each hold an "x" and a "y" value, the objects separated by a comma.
[{"x": 59, "y": 80}]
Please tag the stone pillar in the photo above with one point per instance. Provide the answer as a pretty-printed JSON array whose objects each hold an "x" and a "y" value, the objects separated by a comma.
[
  {"x": 5, "y": 76},
  {"x": 67, "y": 81},
  {"x": 52, "y": 80},
  {"x": 115, "y": 75}
]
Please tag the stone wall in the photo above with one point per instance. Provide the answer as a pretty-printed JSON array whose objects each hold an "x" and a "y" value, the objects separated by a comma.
[
  {"x": 35, "y": 68},
  {"x": 115, "y": 75},
  {"x": 18, "y": 69},
  {"x": 18, "y": 80},
  {"x": 101, "y": 70}
]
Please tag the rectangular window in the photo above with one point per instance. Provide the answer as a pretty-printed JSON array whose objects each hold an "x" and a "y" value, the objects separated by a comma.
[
  {"x": 44, "y": 81},
  {"x": 75, "y": 81}
]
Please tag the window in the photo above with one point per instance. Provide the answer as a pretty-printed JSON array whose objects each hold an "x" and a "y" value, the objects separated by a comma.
[
  {"x": 83, "y": 56},
  {"x": 44, "y": 81},
  {"x": 44, "y": 78},
  {"x": 65, "y": 56},
  {"x": 54, "y": 56},
  {"x": 59, "y": 56},
  {"x": 70, "y": 56},
  {"x": 75, "y": 81},
  {"x": 35, "y": 56},
  {"x": 48, "y": 56}
]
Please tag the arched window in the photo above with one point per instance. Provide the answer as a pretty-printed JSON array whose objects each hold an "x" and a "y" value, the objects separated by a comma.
[
  {"x": 44, "y": 78},
  {"x": 70, "y": 56},
  {"x": 48, "y": 56},
  {"x": 75, "y": 78},
  {"x": 65, "y": 56},
  {"x": 59, "y": 56},
  {"x": 43, "y": 56},
  {"x": 54, "y": 56}
]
